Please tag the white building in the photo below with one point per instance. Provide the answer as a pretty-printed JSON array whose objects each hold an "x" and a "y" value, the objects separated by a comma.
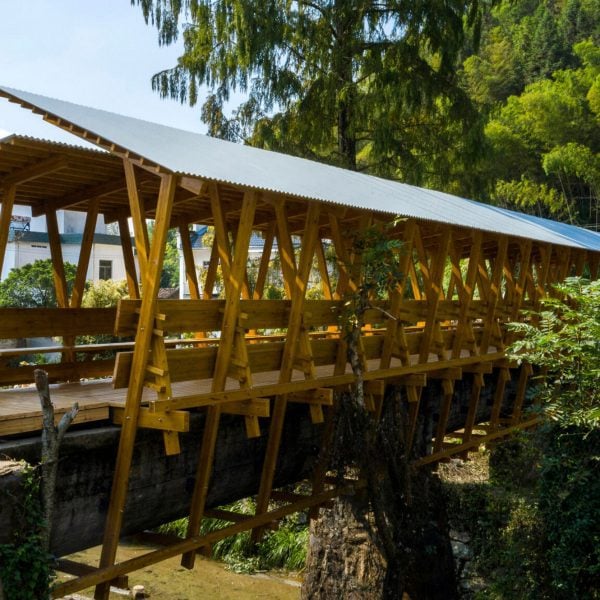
[{"x": 28, "y": 242}]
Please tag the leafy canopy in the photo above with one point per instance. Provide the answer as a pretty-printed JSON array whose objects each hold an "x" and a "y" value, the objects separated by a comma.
[
  {"x": 564, "y": 340},
  {"x": 32, "y": 285},
  {"x": 550, "y": 136},
  {"x": 350, "y": 83}
]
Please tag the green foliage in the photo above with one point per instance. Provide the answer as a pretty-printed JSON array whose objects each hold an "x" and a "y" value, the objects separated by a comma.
[
  {"x": 378, "y": 271},
  {"x": 169, "y": 277},
  {"x": 533, "y": 527},
  {"x": 32, "y": 285},
  {"x": 25, "y": 569},
  {"x": 368, "y": 85},
  {"x": 170, "y": 273},
  {"x": 550, "y": 135},
  {"x": 569, "y": 508},
  {"x": 284, "y": 548},
  {"x": 563, "y": 339},
  {"x": 104, "y": 293}
]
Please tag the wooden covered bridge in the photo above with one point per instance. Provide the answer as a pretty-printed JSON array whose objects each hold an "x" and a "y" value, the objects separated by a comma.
[{"x": 469, "y": 269}]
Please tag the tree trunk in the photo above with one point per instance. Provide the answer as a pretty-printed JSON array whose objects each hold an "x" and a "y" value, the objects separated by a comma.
[
  {"x": 391, "y": 539},
  {"x": 343, "y": 557},
  {"x": 51, "y": 439}
]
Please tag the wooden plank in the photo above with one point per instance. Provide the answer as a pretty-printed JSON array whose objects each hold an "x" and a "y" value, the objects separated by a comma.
[
  {"x": 440, "y": 432},
  {"x": 235, "y": 275},
  {"x": 501, "y": 381},
  {"x": 234, "y": 270},
  {"x": 63, "y": 371},
  {"x": 151, "y": 279},
  {"x": 395, "y": 330},
  {"x": 221, "y": 231},
  {"x": 494, "y": 295},
  {"x": 255, "y": 407},
  {"x": 525, "y": 373},
  {"x": 16, "y": 323},
  {"x": 322, "y": 396},
  {"x": 467, "y": 289},
  {"x": 38, "y": 169},
  {"x": 211, "y": 272},
  {"x": 258, "y": 391}
]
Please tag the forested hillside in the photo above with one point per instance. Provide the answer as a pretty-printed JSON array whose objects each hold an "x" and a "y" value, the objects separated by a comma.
[{"x": 536, "y": 82}]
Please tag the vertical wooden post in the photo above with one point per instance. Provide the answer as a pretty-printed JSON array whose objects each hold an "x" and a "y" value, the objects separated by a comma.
[
  {"x": 151, "y": 283},
  {"x": 58, "y": 265},
  {"x": 188, "y": 259},
  {"x": 297, "y": 287},
  {"x": 8, "y": 201},
  {"x": 138, "y": 217},
  {"x": 84, "y": 254},
  {"x": 128, "y": 259},
  {"x": 234, "y": 283},
  {"x": 265, "y": 259},
  {"x": 211, "y": 272}
]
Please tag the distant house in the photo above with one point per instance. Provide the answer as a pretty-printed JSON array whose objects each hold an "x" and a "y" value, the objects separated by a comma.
[{"x": 28, "y": 241}]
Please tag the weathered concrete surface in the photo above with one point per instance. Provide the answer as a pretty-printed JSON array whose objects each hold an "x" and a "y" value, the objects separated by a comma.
[{"x": 160, "y": 486}]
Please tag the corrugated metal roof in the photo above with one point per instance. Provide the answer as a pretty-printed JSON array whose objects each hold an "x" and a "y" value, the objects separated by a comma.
[{"x": 197, "y": 155}]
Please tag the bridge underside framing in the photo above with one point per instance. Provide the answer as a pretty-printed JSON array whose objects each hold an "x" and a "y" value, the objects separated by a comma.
[{"x": 253, "y": 357}]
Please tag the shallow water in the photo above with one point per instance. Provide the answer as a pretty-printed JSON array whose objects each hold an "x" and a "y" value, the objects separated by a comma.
[{"x": 209, "y": 579}]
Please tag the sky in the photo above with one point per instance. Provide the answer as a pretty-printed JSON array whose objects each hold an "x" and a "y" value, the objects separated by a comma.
[{"x": 99, "y": 53}]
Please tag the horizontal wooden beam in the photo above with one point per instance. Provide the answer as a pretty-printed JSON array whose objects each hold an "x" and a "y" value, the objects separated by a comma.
[
  {"x": 477, "y": 441},
  {"x": 322, "y": 396},
  {"x": 197, "y": 400},
  {"x": 175, "y": 420},
  {"x": 255, "y": 407}
]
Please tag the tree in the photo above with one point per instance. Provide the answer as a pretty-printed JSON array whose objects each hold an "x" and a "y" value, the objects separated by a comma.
[
  {"x": 549, "y": 136},
  {"x": 564, "y": 346},
  {"x": 349, "y": 83},
  {"x": 524, "y": 42},
  {"x": 32, "y": 285},
  {"x": 169, "y": 277}
]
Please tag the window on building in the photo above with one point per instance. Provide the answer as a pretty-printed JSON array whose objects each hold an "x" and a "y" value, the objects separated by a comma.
[{"x": 105, "y": 269}]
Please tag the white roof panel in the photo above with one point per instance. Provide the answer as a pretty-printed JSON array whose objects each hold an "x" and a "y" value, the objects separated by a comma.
[{"x": 210, "y": 158}]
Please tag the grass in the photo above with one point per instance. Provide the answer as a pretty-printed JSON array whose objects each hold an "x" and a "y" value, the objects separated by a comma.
[{"x": 284, "y": 548}]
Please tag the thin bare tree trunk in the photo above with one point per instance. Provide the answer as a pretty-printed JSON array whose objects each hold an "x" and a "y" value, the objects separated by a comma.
[{"x": 51, "y": 439}]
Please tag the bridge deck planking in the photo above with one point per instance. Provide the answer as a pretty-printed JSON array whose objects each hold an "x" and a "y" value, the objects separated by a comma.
[{"x": 20, "y": 410}]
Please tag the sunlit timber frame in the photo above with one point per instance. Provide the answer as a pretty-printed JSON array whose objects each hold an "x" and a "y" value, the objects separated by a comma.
[{"x": 445, "y": 321}]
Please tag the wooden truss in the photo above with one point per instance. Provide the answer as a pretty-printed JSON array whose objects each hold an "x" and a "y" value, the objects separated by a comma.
[{"x": 251, "y": 357}]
